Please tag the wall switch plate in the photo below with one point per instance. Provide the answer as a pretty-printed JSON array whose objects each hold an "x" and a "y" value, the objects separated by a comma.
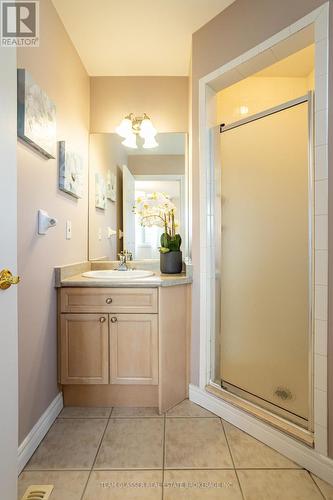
[
  {"x": 68, "y": 230},
  {"x": 99, "y": 233}
]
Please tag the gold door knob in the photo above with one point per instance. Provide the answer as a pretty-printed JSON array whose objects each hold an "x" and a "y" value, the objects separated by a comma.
[{"x": 7, "y": 279}]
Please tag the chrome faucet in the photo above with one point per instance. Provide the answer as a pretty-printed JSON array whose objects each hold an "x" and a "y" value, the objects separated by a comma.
[{"x": 124, "y": 256}]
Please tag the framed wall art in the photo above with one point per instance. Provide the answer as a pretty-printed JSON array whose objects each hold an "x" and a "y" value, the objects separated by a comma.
[
  {"x": 111, "y": 186},
  {"x": 100, "y": 192},
  {"x": 36, "y": 115},
  {"x": 70, "y": 171}
]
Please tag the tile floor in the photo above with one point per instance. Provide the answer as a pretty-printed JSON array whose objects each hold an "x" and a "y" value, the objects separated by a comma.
[{"x": 129, "y": 453}]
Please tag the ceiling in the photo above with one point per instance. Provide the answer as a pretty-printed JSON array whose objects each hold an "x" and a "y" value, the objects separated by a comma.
[
  {"x": 299, "y": 64},
  {"x": 132, "y": 38}
]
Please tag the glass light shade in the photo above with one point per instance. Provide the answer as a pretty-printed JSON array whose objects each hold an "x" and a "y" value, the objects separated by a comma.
[
  {"x": 130, "y": 141},
  {"x": 147, "y": 129},
  {"x": 125, "y": 128},
  {"x": 150, "y": 142}
]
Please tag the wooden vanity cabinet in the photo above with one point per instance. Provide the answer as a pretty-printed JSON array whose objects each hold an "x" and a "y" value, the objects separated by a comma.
[
  {"x": 101, "y": 345},
  {"x": 124, "y": 346}
]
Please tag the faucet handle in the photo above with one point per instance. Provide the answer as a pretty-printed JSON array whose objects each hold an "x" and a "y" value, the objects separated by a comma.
[
  {"x": 122, "y": 256},
  {"x": 129, "y": 255}
]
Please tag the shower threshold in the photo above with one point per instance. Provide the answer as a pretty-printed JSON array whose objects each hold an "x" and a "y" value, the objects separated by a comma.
[
  {"x": 292, "y": 429},
  {"x": 265, "y": 404}
]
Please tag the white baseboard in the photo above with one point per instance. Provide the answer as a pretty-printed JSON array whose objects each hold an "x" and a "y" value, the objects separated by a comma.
[
  {"x": 33, "y": 439},
  {"x": 307, "y": 457}
]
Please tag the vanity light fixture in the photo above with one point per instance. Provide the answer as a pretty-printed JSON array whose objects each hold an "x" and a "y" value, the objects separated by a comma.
[
  {"x": 133, "y": 126},
  {"x": 130, "y": 141}
]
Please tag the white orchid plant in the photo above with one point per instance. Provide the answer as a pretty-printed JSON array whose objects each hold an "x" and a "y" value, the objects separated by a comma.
[{"x": 156, "y": 209}]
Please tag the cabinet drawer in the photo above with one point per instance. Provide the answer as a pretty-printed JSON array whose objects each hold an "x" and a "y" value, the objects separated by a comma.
[{"x": 109, "y": 300}]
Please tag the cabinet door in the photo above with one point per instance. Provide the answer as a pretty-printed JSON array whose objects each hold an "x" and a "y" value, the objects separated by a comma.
[
  {"x": 134, "y": 349},
  {"x": 84, "y": 349}
]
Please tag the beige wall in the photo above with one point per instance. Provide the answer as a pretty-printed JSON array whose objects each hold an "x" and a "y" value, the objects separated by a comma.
[
  {"x": 105, "y": 153},
  {"x": 57, "y": 68},
  {"x": 163, "y": 98},
  {"x": 243, "y": 25},
  {"x": 156, "y": 164}
]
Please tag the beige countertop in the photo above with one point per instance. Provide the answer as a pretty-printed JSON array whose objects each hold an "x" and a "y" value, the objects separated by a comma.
[
  {"x": 71, "y": 276},
  {"x": 154, "y": 281}
]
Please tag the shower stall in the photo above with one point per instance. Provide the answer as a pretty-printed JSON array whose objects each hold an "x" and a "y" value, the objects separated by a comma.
[{"x": 262, "y": 350}]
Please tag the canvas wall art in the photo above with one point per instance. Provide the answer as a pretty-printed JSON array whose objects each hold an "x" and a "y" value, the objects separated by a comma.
[
  {"x": 36, "y": 115},
  {"x": 70, "y": 171},
  {"x": 100, "y": 192},
  {"x": 111, "y": 186}
]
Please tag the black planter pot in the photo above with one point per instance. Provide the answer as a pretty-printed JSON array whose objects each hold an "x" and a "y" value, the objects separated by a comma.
[{"x": 171, "y": 262}]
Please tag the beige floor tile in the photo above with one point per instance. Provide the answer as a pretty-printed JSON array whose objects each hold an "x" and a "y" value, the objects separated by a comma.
[
  {"x": 201, "y": 485},
  {"x": 278, "y": 485},
  {"x": 134, "y": 412},
  {"x": 132, "y": 443},
  {"x": 70, "y": 444},
  {"x": 79, "y": 412},
  {"x": 124, "y": 485},
  {"x": 248, "y": 453},
  {"x": 325, "y": 488},
  {"x": 189, "y": 409},
  {"x": 196, "y": 443},
  {"x": 68, "y": 485}
]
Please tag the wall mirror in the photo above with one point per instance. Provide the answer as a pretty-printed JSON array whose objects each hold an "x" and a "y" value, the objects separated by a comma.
[{"x": 118, "y": 176}]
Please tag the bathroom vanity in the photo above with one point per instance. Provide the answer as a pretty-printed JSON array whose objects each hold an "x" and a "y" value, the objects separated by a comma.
[
  {"x": 123, "y": 335},
  {"x": 123, "y": 343}
]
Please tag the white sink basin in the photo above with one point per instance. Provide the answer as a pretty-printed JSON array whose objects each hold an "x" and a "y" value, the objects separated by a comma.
[{"x": 114, "y": 275}]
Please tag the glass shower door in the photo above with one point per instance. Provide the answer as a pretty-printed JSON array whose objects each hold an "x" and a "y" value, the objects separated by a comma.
[{"x": 265, "y": 262}]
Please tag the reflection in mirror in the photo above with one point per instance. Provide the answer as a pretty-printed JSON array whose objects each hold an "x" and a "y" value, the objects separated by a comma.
[{"x": 118, "y": 176}]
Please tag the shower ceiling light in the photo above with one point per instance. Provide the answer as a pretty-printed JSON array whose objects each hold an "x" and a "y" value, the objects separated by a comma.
[
  {"x": 132, "y": 126},
  {"x": 243, "y": 110}
]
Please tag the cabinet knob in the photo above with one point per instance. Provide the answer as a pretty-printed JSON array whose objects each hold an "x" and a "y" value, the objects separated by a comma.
[
  {"x": 102, "y": 319},
  {"x": 113, "y": 319},
  {"x": 108, "y": 300}
]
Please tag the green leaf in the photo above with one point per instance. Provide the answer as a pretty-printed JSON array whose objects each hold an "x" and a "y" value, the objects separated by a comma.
[
  {"x": 165, "y": 239},
  {"x": 175, "y": 243},
  {"x": 164, "y": 250}
]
